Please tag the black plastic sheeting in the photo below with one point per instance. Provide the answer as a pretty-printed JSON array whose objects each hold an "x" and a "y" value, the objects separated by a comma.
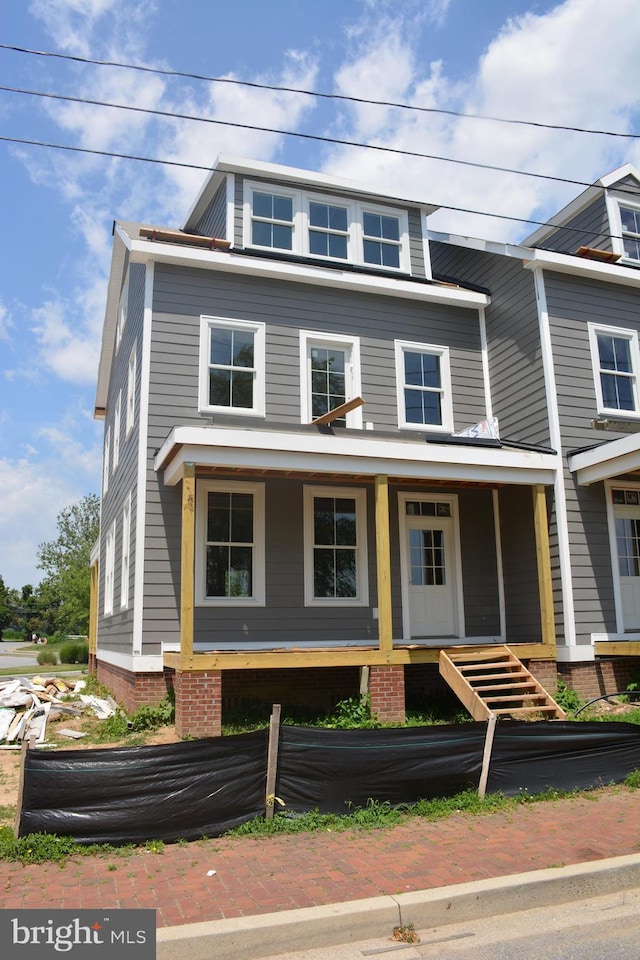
[
  {"x": 132, "y": 794},
  {"x": 206, "y": 787}
]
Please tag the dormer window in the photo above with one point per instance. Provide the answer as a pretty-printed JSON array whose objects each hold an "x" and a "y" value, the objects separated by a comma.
[
  {"x": 630, "y": 218},
  {"x": 316, "y": 226},
  {"x": 272, "y": 220}
]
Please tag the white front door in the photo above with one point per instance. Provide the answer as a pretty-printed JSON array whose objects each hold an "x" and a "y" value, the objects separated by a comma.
[
  {"x": 627, "y": 524},
  {"x": 431, "y": 569}
]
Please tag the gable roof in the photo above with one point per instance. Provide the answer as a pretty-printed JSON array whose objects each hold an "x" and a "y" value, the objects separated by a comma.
[{"x": 580, "y": 202}]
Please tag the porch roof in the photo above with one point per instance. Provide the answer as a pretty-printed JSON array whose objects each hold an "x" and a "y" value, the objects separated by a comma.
[
  {"x": 319, "y": 452},
  {"x": 614, "y": 458}
]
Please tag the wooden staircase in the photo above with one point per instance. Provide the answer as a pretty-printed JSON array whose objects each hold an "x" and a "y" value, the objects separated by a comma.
[{"x": 491, "y": 680}]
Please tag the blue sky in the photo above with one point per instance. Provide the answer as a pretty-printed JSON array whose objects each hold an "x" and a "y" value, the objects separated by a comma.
[{"x": 564, "y": 63}]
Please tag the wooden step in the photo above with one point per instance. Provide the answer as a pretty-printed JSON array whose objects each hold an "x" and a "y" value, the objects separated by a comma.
[{"x": 491, "y": 680}]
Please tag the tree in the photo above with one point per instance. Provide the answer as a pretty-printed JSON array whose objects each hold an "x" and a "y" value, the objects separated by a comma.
[
  {"x": 6, "y": 615},
  {"x": 65, "y": 589}
]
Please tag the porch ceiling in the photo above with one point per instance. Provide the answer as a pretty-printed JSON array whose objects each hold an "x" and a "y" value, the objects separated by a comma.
[{"x": 310, "y": 452}]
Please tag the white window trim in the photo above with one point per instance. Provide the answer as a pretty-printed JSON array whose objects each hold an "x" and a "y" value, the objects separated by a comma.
[
  {"x": 109, "y": 569},
  {"x": 122, "y": 312},
  {"x": 615, "y": 220},
  {"x": 609, "y": 487},
  {"x": 359, "y": 494},
  {"x": 131, "y": 389},
  {"x": 353, "y": 382},
  {"x": 259, "y": 350},
  {"x": 355, "y": 232},
  {"x": 203, "y": 488},
  {"x": 445, "y": 376},
  {"x": 623, "y": 333},
  {"x": 126, "y": 554},
  {"x": 106, "y": 463},
  {"x": 117, "y": 426}
]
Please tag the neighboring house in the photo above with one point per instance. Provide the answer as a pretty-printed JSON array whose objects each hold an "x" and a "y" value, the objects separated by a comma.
[{"x": 249, "y": 552}]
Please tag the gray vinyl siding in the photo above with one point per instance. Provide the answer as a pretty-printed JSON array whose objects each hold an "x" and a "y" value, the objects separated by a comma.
[
  {"x": 416, "y": 222},
  {"x": 515, "y": 364},
  {"x": 115, "y": 632},
  {"x": 213, "y": 222},
  {"x": 522, "y": 601},
  {"x": 572, "y": 304},
  {"x": 589, "y": 228},
  {"x": 182, "y": 296}
]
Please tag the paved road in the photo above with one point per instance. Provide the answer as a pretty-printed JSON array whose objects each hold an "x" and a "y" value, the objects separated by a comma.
[
  {"x": 10, "y": 655},
  {"x": 601, "y": 928}
]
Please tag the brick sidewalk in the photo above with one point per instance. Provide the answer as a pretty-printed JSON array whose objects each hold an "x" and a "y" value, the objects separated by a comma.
[{"x": 281, "y": 873}]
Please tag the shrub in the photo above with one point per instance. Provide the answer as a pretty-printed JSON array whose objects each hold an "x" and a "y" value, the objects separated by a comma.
[
  {"x": 567, "y": 698},
  {"x": 47, "y": 658},
  {"x": 74, "y": 652}
]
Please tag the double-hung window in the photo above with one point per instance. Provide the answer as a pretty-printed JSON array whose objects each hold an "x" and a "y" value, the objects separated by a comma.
[
  {"x": 335, "y": 547},
  {"x": 126, "y": 546},
  {"x": 630, "y": 220},
  {"x": 616, "y": 366},
  {"x": 272, "y": 220},
  {"x": 329, "y": 376},
  {"x": 131, "y": 390},
  {"x": 232, "y": 366},
  {"x": 424, "y": 387},
  {"x": 326, "y": 227},
  {"x": 117, "y": 426},
  {"x": 230, "y": 567},
  {"x": 109, "y": 568},
  {"x": 381, "y": 239},
  {"x": 106, "y": 461}
]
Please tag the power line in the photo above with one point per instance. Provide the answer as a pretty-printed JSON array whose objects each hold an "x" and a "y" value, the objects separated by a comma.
[
  {"x": 293, "y": 133},
  {"x": 196, "y": 166},
  {"x": 316, "y": 93}
]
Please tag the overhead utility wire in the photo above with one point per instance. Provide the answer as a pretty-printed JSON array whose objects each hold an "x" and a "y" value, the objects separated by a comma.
[
  {"x": 315, "y": 93},
  {"x": 293, "y": 133},
  {"x": 209, "y": 169}
]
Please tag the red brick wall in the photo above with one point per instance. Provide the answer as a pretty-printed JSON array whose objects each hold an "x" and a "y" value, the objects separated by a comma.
[
  {"x": 198, "y": 703},
  {"x": 386, "y": 689},
  {"x": 545, "y": 672},
  {"x": 591, "y": 680},
  {"x": 133, "y": 690}
]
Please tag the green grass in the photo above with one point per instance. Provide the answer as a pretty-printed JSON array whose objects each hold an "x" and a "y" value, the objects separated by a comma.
[{"x": 37, "y": 670}]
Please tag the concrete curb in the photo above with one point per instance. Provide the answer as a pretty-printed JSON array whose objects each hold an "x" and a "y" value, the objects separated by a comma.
[{"x": 305, "y": 929}]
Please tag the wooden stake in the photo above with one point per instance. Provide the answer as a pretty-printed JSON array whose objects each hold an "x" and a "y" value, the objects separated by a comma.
[
  {"x": 486, "y": 757},
  {"x": 26, "y": 746},
  {"x": 272, "y": 761}
]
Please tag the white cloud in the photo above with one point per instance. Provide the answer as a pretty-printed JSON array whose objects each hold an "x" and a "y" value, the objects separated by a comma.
[
  {"x": 68, "y": 345},
  {"x": 6, "y": 322},
  {"x": 539, "y": 68},
  {"x": 73, "y": 23}
]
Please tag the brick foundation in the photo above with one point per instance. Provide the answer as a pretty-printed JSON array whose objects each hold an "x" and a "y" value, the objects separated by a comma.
[
  {"x": 133, "y": 690},
  {"x": 198, "y": 696},
  {"x": 92, "y": 665},
  {"x": 591, "y": 680},
  {"x": 545, "y": 672},
  {"x": 386, "y": 689}
]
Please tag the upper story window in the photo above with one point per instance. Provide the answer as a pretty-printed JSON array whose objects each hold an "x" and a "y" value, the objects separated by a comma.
[
  {"x": 616, "y": 366},
  {"x": 329, "y": 376},
  {"x": 117, "y": 417},
  {"x": 232, "y": 366},
  {"x": 272, "y": 220},
  {"x": 131, "y": 389},
  {"x": 106, "y": 461},
  {"x": 109, "y": 569},
  {"x": 316, "y": 226},
  {"x": 424, "y": 387},
  {"x": 630, "y": 218},
  {"x": 381, "y": 239},
  {"x": 122, "y": 312}
]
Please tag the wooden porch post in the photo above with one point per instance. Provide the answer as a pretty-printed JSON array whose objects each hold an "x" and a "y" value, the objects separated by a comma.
[
  {"x": 383, "y": 566},
  {"x": 543, "y": 557},
  {"x": 187, "y": 555}
]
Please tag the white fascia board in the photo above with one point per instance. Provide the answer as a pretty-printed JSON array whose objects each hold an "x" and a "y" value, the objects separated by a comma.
[
  {"x": 609, "y": 460},
  {"x": 588, "y": 269},
  {"x": 139, "y": 664},
  {"x": 484, "y": 246},
  {"x": 626, "y": 170},
  {"x": 121, "y": 244},
  {"x": 321, "y": 453},
  {"x": 560, "y": 219},
  {"x": 144, "y": 250}
]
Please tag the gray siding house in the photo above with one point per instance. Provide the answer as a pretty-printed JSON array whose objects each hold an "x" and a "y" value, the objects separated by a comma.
[{"x": 336, "y": 446}]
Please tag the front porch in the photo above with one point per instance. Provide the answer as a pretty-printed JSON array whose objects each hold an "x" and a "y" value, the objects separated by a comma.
[{"x": 203, "y": 656}]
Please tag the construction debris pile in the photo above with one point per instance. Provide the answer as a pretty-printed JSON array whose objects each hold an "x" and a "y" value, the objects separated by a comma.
[{"x": 27, "y": 706}]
